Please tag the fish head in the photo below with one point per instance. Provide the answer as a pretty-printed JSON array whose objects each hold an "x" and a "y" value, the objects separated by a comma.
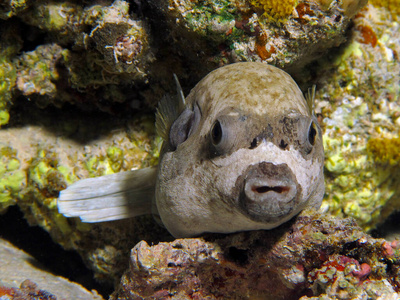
[{"x": 245, "y": 153}]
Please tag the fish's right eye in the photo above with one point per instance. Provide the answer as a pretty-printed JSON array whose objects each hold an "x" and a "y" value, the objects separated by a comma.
[
  {"x": 221, "y": 137},
  {"x": 216, "y": 133}
]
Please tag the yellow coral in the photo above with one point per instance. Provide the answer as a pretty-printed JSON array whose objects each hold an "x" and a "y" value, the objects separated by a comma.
[
  {"x": 392, "y": 5},
  {"x": 275, "y": 10},
  {"x": 385, "y": 150}
]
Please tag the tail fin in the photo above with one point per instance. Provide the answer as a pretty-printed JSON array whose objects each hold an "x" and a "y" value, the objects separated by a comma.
[{"x": 111, "y": 197}]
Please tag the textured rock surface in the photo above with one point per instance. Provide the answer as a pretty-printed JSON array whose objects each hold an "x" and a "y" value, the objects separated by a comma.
[
  {"x": 287, "y": 34},
  {"x": 17, "y": 266},
  {"x": 315, "y": 256},
  {"x": 91, "y": 53},
  {"x": 358, "y": 103},
  {"x": 36, "y": 163}
]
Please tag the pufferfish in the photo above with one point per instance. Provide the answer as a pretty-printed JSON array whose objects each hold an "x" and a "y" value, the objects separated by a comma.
[{"x": 242, "y": 152}]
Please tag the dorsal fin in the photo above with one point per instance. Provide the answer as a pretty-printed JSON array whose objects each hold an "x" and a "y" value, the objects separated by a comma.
[
  {"x": 168, "y": 110},
  {"x": 310, "y": 98},
  {"x": 181, "y": 97}
]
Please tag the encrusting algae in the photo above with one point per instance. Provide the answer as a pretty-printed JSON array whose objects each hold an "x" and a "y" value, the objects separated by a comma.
[
  {"x": 13, "y": 179},
  {"x": 385, "y": 150},
  {"x": 393, "y": 6},
  {"x": 276, "y": 10},
  {"x": 360, "y": 106},
  {"x": 36, "y": 164}
]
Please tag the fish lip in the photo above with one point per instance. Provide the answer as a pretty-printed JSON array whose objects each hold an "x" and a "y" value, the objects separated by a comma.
[{"x": 269, "y": 193}]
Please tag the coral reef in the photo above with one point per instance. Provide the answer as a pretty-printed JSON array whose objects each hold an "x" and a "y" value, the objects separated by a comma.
[
  {"x": 119, "y": 56},
  {"x": 13, "y": 178},
  {"x": 37, "y": 74},
  {"x": 35, "y": 164},
  {"x": 315, "y": 256},
  {"x": 287, "y": 34},
  {"x": 9, "y": 47},
  {"x": 89, "y": 50},
  {"x": 90, "y": 55},
  {"x": 359, "y": 108},
  {"x": 12, "y": 7}
]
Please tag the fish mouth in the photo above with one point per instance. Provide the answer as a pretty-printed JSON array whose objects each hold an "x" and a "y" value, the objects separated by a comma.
[{"x": 269, "y": 193}]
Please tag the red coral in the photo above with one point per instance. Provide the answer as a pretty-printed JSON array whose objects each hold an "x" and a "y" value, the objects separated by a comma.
[
  {"x": 387, "y": 248},
  {"x": 362, "y": 272}
]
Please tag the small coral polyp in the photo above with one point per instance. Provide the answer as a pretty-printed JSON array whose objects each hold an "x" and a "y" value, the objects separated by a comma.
[
  {"x": 126, "y": 49},
  {"x": 276, "y": 10}
]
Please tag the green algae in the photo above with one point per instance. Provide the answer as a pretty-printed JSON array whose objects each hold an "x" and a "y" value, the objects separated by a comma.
[
  {"x": 10, "y": 45},
  {"x": 44, "y": 175},
  {"x": 12, "y": 179}
]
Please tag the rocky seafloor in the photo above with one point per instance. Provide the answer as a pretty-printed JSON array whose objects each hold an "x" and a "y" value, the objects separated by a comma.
[{"x": 79, "y": 82}]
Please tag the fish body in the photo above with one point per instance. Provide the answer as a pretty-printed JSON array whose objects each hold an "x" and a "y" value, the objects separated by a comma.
[{"x": 242, "y": 152}]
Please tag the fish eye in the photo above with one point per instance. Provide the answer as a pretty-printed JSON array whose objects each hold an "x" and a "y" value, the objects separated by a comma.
[
  {"x": 216, "y": 133},
  {"x": 312, "y": 133}
]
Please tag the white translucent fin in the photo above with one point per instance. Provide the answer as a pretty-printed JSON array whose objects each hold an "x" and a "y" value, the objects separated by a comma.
[
  {"x": 111, "y": 197},
  {"x": 180, "y": 95},
  {"x": 168, "y": 110},
  {"x": 166, "y": 114}
]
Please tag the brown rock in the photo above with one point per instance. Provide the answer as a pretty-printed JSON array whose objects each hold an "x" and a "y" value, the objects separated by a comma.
[{"x": 315, "y": 255}]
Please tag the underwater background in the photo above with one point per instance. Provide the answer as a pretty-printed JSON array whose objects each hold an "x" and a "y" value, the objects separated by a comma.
[{"x": 79, "y": 84}]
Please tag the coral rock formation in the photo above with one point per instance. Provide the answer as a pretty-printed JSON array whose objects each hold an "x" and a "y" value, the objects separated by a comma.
[
  {"x": 315, "y": 256},
  {"x": 287, "y": 34},
  {"x": 358, "y": 102}
]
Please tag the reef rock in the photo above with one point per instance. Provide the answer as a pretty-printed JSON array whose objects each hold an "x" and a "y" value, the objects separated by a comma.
[
  {"x": 35, "y": 164},
  {"x": 358, "y": 104},
  {"x": 287, "y": 34},
  {"x": 313, "y": 257},
  {"x": 22, "y": 277}
]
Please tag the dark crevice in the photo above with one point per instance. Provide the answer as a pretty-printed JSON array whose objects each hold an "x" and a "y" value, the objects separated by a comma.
[
  {"x": 390, "y": 229},
  {"x": 239, "y": 256}
]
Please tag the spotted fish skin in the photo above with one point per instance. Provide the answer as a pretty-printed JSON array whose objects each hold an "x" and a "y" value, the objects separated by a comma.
[
  {"x": 246, "y": 153},
  {"x": 242, "y": 152}
]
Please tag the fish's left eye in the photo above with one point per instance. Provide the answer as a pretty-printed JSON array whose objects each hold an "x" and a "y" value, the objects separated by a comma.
[
  {"x": 216, "y": 133},
  {"x": 312, "y": 133}
]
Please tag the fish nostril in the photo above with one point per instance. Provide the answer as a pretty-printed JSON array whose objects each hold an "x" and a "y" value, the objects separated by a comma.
[
  {"x": 253, "y": 144},
  {"x": 265, "y": 189},
  {"x": 283, "y": 145}
]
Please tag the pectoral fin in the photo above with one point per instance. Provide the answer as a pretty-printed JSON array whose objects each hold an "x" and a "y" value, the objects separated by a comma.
[{"x": 111, "y": 197}]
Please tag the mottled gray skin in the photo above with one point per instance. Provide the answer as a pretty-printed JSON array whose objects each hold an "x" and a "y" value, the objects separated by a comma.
[{"x": 256, "y": 169}]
